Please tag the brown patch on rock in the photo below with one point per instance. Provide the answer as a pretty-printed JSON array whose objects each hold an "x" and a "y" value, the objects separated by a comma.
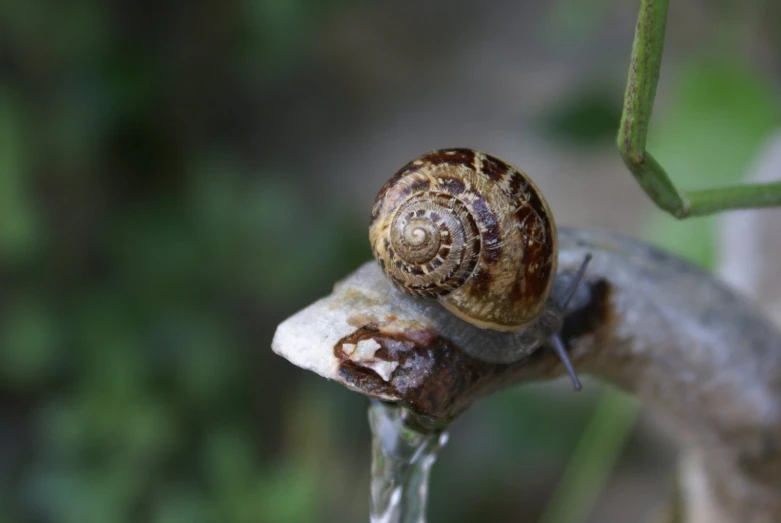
[
  {"x": 436, "y": 379},
  {"x": 360, "y": 320}
]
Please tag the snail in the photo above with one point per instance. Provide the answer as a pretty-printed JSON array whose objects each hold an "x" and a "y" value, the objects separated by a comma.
[{"x": 476, "y": 234}]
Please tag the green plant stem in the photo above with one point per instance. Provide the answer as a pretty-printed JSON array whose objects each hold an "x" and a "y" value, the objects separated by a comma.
[
  {"x": 644, "y": 67},
  {"x": 746, "y": 196}
]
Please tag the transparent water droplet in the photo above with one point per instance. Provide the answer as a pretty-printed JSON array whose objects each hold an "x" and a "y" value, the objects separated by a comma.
[{"x": 402, "y": 457}]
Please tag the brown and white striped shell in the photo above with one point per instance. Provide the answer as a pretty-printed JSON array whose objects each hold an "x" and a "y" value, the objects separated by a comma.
[{"x": 472, "y": 231}]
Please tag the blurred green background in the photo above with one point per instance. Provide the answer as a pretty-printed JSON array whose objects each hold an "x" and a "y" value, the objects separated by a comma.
[{"x": 176, "y": 178}]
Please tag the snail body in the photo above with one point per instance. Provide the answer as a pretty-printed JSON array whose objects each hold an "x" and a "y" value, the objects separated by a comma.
[{"x": 475, "y": 233}]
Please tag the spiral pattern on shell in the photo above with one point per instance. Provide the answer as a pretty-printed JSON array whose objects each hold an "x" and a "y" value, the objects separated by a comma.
[
  {"x": 471, "y": 230},
  {"x": 436, "y": 242}
]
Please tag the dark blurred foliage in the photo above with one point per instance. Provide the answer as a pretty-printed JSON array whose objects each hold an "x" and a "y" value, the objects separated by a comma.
[
  {"x": 151, "y": 240},
  {"x": 589, "y": 117},
  {"x": 145, "y": 257}
]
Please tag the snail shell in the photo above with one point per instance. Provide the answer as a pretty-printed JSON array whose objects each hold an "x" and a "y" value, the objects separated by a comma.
[{"x": 470, "y": 230}]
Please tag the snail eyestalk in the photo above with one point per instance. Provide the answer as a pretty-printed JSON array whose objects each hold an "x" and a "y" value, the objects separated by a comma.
[
  {"x": 555, "y": 339},
  {"x": 561, "y": 352},
  {"x": 573, "y": 286}
]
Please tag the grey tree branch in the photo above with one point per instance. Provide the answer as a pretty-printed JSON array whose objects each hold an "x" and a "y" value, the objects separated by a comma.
[{"x": 705, "y": 361}]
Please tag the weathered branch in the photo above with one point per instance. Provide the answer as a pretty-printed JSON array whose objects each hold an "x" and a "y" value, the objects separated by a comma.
[{"x": 702, "y": 359}]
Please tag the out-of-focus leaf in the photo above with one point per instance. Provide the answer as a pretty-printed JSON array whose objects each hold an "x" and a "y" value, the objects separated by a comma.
[
  {"x": 541, "y": 423},
  {"x": 595, "y": 456},
  {"x": 202, "y": 359},
  {"x": 180, "y": 504},
  {"x": 8, "y": 511},
  {"x": 229, "y": 461},
  {"x": 590, "y": 116},
  {"x": 62, "y": 430},
  {"x": 284, "y": 493},
  {"x": 288, "y": 496},
  {"x": 74, "y": 496},
  {"x": 283, "y": 26},
  {"x": 28, "y": 345},
  {"x": 19, "y": 228},
  {"x": 255, "y": 232},
  {"x": 158, "y": 256}
]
